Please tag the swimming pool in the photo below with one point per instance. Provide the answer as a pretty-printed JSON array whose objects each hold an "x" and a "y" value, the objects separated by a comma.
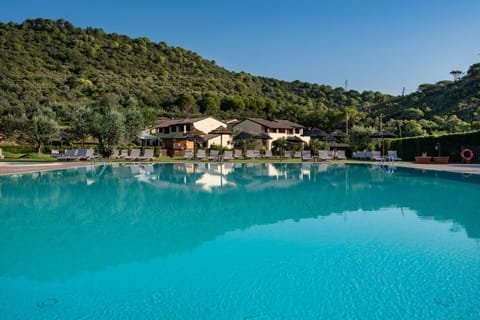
[{"x": 240, "y": 241}]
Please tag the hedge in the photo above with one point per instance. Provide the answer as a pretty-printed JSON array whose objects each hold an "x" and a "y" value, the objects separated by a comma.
[
  {"x": 450, "y": 145},
  {"x": 19, "y": 149}
]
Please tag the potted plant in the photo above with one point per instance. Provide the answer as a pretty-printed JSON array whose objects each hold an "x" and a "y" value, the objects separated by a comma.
[{"x": 424, "y": 158}]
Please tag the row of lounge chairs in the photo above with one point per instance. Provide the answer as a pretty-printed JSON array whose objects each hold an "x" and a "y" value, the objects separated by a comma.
[
  {"x": 376, "y": 155},
  {"x": 135, "y": 154},
  {"x": 215, "y": 155},
  {"x": 74, "y": 154},
  {"x": 227, "y": 155}
]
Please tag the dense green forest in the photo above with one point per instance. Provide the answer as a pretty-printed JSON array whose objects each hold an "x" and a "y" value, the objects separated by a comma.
[{"x": 52, "y": 73}]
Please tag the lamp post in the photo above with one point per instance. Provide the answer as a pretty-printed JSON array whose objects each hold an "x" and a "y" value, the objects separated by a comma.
[{"x": 438, "y": 148}]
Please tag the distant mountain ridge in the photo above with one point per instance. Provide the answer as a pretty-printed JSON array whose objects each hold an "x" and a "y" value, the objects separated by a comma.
[{"x": 53, "y": 63}]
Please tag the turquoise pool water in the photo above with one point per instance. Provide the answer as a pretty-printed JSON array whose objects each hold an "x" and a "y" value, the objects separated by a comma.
[{"x": 211, "y": 241}]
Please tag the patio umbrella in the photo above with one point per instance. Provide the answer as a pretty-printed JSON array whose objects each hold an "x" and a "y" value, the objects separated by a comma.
[
  {"x": 383, "y": 134},
  {"x": 221, "y": 131},
  {"x": 338, "y": 134},
  {"x": 314, "y": 133},
  {"x": 244, "y": 136},
  {"x": 262, "y": 136},
  {"x": 294, "y": 139},
  {"x": 328, "y": 138}
]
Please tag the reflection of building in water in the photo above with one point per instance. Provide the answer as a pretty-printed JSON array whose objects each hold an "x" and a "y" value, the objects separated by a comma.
[
  {"x": 209, "y": 181},
  {"x": 272, "y": 171}
]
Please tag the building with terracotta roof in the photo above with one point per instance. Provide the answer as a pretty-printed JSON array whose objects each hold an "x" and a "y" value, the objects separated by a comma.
[
  {"x": 275, "y": 129},
  {"x": 178, "y": 135}
]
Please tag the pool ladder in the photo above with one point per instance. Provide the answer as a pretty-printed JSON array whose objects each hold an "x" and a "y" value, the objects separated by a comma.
[
  {"x": 93, "y": 163},
  {"x": 387, "y": 164}
]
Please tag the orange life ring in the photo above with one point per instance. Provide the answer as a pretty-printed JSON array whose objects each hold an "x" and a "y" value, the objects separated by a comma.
[{"x": 464, "y": 156}]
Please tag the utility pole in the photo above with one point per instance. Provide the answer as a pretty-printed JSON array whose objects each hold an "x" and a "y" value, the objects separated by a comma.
[
  {"x": 346, "y": 125},
  {"x": 346, "y": 85},
  {"x": 381, "y": 122}
]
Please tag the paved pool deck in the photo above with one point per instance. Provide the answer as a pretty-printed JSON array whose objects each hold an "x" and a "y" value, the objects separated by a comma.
[{"x": 8, "y": 168}]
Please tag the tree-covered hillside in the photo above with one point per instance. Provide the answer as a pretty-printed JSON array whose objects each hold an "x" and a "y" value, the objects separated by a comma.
[
  {"x": 61, "y": 70},
  {"x": 53, "y": 63},
  {"x": 446, "y": 106}
]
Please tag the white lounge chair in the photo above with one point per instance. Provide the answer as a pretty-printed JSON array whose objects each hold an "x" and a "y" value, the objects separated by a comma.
[
  {"x": 124, "y": 154},
  {"x": 297, "y": 155},
  {"x": 53, "y": 153},
  {"x": 188, "y": 155},
  {"x": 361, "y": 155},
  {"x": 201, "y": 154},
  {"x": 114, "y": 154},
  {"x": 238, "y": 154},
  {"x": 306, "y": 155},
  {"x": 1, "y": 154},
  {"x": 377, "y": 156},
  {"x": 250, "y": 154},
  {"x": 268, "y": 154},
  {"x": 214, "y": 155},
  {"x": 134, "y": 154},
  {"x": 392, "y": 155},
  {"x": 287, "y": 154},
  {"x": 227, "y": 155},
  {"x": 324, "y": 155},
  {"x": 340, "y": 155},
  {"x": 147, "y": 155}
]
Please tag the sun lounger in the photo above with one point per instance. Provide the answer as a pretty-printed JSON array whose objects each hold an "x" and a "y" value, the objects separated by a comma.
[
  {"x": 84, "y": 154},
  {"x": 238, "y": 154},
  {"x": 124, "y": 154},
  {"x": 214, "y": 155},
  {"x": 53, "y": 153},
  {"x": 70, "y": 154},
  {"x": 361, "y": 155},
  {"x": 376, "y": 156},
  {"x": 306, "y": 155},
  {"x": 268, "y": 154},
  {"x": 297, "y": 155},
  {"x": 250, "y": 154},
  {"x": 188, "y": 155},
  {"x": 392, "y": 155},
  {"x": 114, "y": 154},
  {"x": 147, "y": 155},
  {"x": 340, "y": 155},
  {"x": 324, "y": 155},
  {"x": 227, "y": 155},
  {"x": 201, "y": 154},
  {"x": 1, "y": 154},
  {"x": 134, "y": 154},
  {"x": 287, "y": 154}
]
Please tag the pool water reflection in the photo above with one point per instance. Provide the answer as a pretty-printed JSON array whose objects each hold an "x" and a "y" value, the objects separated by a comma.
[{"x": 240, "y": 241}]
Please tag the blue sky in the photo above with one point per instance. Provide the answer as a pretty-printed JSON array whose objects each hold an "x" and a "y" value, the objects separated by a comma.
[{"x": 380, "y": 45}]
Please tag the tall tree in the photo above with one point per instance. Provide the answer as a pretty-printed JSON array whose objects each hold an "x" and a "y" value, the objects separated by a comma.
[
  {"x": 39, "y": 127},
  {"x": 134, "y": 123},
  {"x": 79, "y": 116},
  {"x": 108, "y": 128}
]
